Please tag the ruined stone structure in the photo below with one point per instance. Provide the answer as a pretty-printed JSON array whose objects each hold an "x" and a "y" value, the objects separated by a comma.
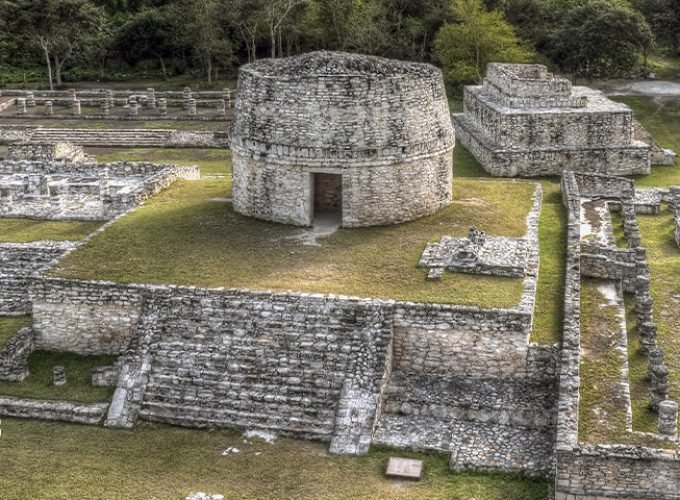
[
  {"x": 366, "y": 137},
  {"x": 85, "y": 191},
  {"x": 477, "y": 254},
  {"x": 523, "y": 121},
  {"x": 584, "y": 470},
  {"x": 47, "y": 152}
]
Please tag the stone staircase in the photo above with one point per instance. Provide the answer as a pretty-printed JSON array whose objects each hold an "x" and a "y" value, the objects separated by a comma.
[{"x": 130, "y": 137}]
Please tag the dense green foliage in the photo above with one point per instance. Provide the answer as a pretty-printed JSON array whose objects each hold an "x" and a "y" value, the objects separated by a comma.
[{"x": 108, "y": 39}]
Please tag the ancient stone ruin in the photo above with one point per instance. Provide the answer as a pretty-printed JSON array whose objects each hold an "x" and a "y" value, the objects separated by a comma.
[
  {"x": 366, "y": 138},
  {"x": 524, "y": 121}
]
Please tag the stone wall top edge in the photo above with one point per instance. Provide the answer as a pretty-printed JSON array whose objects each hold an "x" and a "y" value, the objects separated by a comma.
[
  {"x": 627, "y": 451},
  {"x": 244, "y": 292}
]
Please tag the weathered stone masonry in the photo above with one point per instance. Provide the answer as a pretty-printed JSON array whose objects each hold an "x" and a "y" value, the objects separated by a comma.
[
  {"x": 585, "y": 471},
  {"x": 523, "y": 122},
  {"x": 382, "y": 125}
]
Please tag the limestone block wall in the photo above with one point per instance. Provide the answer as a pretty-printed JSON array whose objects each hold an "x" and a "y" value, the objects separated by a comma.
[
  {"x": 383, "y": 125},
  {"x": 18, "y": 261},
  {"x": 84, "y": 318},
  {"x": 510, "y": 162},
  {"x": 370, "y": 195},
  {"x": 610, "y": 263},
  {"x": 543, "y": 128},
  {"x": 616, "y": 471},
  {"x": 14, "y": 356},
  {"x": 47, "y": 152},
  {"x": 677, "y": 226}
]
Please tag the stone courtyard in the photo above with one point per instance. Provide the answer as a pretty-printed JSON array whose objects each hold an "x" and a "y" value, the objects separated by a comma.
[{"x": 371, "y": 140}]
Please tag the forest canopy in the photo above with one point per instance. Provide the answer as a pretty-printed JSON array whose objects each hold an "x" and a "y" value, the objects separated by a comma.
[{"x": 98, "y": 39}]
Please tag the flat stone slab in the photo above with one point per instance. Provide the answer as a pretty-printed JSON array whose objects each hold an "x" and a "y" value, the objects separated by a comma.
[{"x": 407, "y": 468}]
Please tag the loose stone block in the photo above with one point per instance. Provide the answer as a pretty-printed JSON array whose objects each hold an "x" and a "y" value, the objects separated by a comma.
[
  {"x": 406, "y": 468},
  {"x": 668, "y": 418},
  {"x": 30, "y": 100},
  {"x": 49, "y": 110},
  {"x": 191, "y": 107},
  {"x": 76, "y": 107},
  {"x": 21, "y": 106},
  {"x": 59, "y": 375}
]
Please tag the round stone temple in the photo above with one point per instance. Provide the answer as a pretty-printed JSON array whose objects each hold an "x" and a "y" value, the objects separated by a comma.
[{"x": 364, "y": 139}]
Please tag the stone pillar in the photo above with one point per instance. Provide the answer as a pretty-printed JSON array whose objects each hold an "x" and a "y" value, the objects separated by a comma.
[
  {"x": 59, "y": 375},
  {"x": 76, "y": 107},
  {"x": 226, "y": 96},
  {"x": 72, "y": 94},
  {"x": 30, "y": 100},
  {"x": 132, "y": 108},
  {"x": 49, "y": 110},
  {"x": 668, "y": 418},
  {"x": 109, "y": 97},
  {"x": 163, "y": 106},
  {"x": 106, "y": 110},
  {"x": 21, "y": 106},
  {"x": 644, "y": 304},
  {"x": 658, "y": 375},
  {"x": 222, "y": 108},
  {"x": 186, "y": 95},
  {"x": 191, "y": 107},
  {"x": 104, "y": 184},
  {"x": 151, "y": 98}
]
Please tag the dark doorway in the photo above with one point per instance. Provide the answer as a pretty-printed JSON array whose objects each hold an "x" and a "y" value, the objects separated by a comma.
[{"x": 328, "y": 197}]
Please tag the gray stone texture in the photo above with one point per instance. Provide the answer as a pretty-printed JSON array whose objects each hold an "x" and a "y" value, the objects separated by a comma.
[
  {"x": 14, "y": 356},
  {"x": 64, "y": 411},
  {"x": 383, "y": 125},
  {"x": 523, "y": 121}
]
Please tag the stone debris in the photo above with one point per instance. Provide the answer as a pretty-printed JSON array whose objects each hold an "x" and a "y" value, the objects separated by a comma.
[
  {"x": 230, "y": 451},
  {"x": 477, "y": 254},
  {"x": 204, "y": 496},
  {"x": 267, "y": 437},
  {"x": 58, "y": 375}
]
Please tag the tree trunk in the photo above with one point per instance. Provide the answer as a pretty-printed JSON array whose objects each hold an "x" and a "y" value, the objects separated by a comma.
[
  {"x": 272, "y": 33},
  {"x": 49, "y": 62},
  {"x": 165, "y": 72},
  {"x": 57, "y": 69},
  {"x": 209, "y": 69}
]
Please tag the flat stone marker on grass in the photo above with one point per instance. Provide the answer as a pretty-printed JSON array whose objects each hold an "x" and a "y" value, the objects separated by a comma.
[{"x": 406, "y": 468}]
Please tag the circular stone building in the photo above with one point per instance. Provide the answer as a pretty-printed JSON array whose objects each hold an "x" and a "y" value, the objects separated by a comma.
[{"x": 367, "y": 139}]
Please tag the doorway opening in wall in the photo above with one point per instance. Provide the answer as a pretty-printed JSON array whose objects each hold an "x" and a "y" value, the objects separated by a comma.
[{"x": 327, "y": 201}]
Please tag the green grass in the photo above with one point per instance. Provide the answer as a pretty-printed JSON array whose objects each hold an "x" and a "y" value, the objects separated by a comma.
[
  {"x": 27, "y": 230},
  {"x": 552, "y": 234},
  {"x": 644, "y": 419},
  {"x": 211, "y": 161},
  {"x": 602, "y": 410},
  {"x": 663, "y": 256},
  {"x": 661, "y": 118},
  {"x": 617, "y": 225},
  {"x": 38, "y": 384},
  {"x": 9, "y": 326},
  {"x": 63, "y": 461},
  {"x": 666, "y": 67},
  {"x": 189, "y": 235}
]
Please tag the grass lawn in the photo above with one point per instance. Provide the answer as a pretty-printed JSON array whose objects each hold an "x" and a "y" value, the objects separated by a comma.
[
  {"x": 63, "y": 461},
  {"x": 27, "y": 230},
  {"x": 190, "y": 235},
  {"x": 211, "y": 161},
  {"x": 664, "y": 262},
  {"x": 9, "y": 326},
  {"x": 602, "y": 409},
  {"x": 38, "y": 384}
]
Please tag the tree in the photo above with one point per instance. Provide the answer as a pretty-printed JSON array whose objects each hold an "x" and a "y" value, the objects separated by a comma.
[
  {"x": 663, "y": 17},
  {"x": 276, "y": 13},
  {"x": 152, "y": 34},
  {"x": 61, "y": 28},
  {"x": 209, "y": 42},
  {"x": 599, "y": 39},
  {"x": 477, "y": 38}
]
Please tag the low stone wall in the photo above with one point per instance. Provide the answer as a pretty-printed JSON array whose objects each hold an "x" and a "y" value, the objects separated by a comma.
[
  {"x": 168, "y": 138},
  {"x": 610, "y": 263},
  {"x": 677, "y": 226},
  {"x": 47, "y": 152},
  {"x": 18, "y": 261},
  {"x": 14, "y": 356},
  {"x": 64, "y": 411},
  {"x": 616, "y": 471}
]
